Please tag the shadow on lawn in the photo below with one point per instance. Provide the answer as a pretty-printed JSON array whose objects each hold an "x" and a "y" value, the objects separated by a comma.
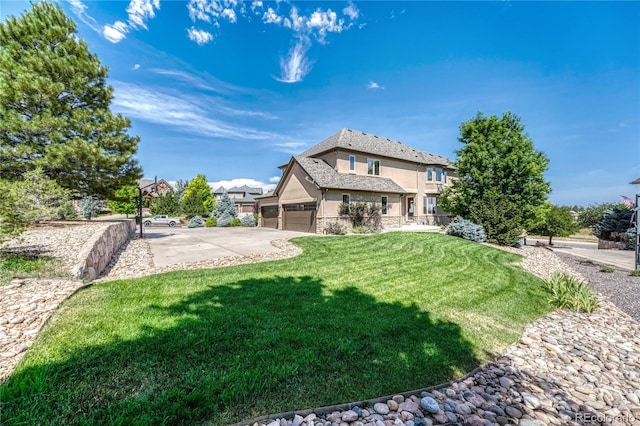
[{"x": 237, "y": 351}]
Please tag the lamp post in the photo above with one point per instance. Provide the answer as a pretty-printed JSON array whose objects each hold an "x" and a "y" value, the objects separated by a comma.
[
  {"x": 636, "y": 212},
  {"x": 140, "y": 210}
]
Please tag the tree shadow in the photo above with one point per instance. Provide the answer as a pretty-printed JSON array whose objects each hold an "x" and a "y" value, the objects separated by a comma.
[{"x": 241, "y": 350}]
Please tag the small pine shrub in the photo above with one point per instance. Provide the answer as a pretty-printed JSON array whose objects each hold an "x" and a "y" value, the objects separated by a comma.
[
  {"x": 635, "y": 273},
  {"x": 211, "y": 222},
  {"x": 66, "y": 211},
  {"x": 570, "y": 293},
  {"x": 224, "y": 219},
  {"x": 466, "y": 229},
  {"x": 607, "y": 269},
  {"x": 630, "y": 239},
  {"x": 236, "y": 222},
  {"x": 248, "y": 221},
  {"x": 196, "y": 222},
  {"x": 334, "y": 228}
]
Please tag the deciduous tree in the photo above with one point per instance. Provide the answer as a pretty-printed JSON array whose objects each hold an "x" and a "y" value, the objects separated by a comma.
[
  {"x": 54, "y": 107},
  {"x": 498, "y": 167},
  {"x": 124, "y": 200},
  {"x": 198, "y": 199},
  {"x": 558, "y": 222}
]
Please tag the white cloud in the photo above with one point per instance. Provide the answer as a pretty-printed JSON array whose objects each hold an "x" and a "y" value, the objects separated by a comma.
[
  {"x": 116, "y": 32},
  {"x": 274, "y": 179},
  {"x": 325, "y": 21},
  {"x": 80, "y": 10},
  {"x": 351, "y": 11},
  {"x": 295, "y": 66},
  {"x": 140, "y": 11},
  {"x": 136, "y": 67},
  {"x": 182, "y": 113},
  {"x": 255, "y": 5},
  {"x": 227, "y": 184},
  {"x": 230, "y": 15},
  {"x": 271, "y": 17},
  {"x": 212, "y": 10},
  {"x": 373, "y": 85},
  {"x": 201, "y": 37}
]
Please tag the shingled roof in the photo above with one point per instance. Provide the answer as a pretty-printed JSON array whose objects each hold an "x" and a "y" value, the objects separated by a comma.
[
  {"x": 326, "y": 177},
  {"x": 354, "y": 140}
]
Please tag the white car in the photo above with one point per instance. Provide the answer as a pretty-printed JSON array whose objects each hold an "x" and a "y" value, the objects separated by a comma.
[{"x": 161, "y": 219}]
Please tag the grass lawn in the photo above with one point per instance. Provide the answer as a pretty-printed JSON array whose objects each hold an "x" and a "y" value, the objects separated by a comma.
[
  {"x": 352, "y": 318},
  {"x": 24, "y": 265}
]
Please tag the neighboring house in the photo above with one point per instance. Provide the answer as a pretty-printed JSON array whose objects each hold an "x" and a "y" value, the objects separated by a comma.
[
  {"x": 153, "y": 187},
  {"x": 244, "y": 198},
  {"x": 355, "y": 166}
]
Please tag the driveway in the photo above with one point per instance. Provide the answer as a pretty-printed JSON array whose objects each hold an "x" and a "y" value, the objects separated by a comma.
[
  {"x": 181, "y": 245},
  {"x": 620, "y": 258}
]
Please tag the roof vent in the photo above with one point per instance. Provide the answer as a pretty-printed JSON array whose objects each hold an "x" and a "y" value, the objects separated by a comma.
[
  {"x": 349, "y": 130},
  {"x": 363, "y": 133}
]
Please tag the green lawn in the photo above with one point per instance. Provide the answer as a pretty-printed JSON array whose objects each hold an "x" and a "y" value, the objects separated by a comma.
[
  {"x": 25, "y": 265},
  {"x": 352, "y": 318}
]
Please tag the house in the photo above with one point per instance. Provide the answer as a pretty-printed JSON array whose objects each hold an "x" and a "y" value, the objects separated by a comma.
[
  {"x": 153, "y": 187},
  {"x": 351, "y": 166},
  {"x": 243, "y": 198}
]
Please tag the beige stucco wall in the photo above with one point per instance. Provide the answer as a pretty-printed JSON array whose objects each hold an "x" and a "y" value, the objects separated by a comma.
[{"x": 296, "y": 189}]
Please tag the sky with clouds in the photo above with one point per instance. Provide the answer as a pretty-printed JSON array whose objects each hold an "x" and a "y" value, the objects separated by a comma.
[{"x": 232, "y": 89}]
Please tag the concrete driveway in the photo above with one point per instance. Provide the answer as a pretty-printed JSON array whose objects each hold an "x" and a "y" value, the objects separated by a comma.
[
  {"x": 182, "y": 244},
  {"x": 620, "y": 258}
]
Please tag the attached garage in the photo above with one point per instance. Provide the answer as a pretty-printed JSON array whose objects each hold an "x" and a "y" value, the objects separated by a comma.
[
  {"x": 269, "y": 216},
  {"x": 300, "y": 217}
]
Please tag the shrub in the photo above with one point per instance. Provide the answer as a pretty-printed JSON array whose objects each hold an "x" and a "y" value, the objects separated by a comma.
[
  {"x": 248, "y": 220},
  {"x": 224, "y": 205},
  {"x": 196, "y": 222},
  {"x": 236, "y": 222},
  {"x": 90, "y": 207},
  {"x": 364, "y": 230},
  {"x": 211, "y": 222},
  {"x": 614, "y": 224},
  {"x": 67, "y": 211},
  {"x": 635, "y": 273},
  {"x": 607, "y": 269},
  {"x": 589, "y": 217},
  {"x": 630, "y": 239},
  {"x": 362, "y": 214},
  {"x": 570, "y": 293},
  {"x": 334, "y": 228},
  {"x": 466, "y": 229},
  {"x": 224, "y": 219}
]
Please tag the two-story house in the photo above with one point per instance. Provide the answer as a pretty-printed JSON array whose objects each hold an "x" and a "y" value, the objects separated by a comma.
[
  {"x": 243, "y": 198},
  {"x": 356, "y": 166}
]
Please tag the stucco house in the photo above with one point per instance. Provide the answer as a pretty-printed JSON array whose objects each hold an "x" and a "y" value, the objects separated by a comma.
[
  {"x": 244, "y": 198},
  {"x": 153, "y": 187},
  {"x": 355, "y": 166}
]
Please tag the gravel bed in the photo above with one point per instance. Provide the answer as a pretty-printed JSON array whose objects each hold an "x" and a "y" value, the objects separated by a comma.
[{"x": 618, "y": 287}]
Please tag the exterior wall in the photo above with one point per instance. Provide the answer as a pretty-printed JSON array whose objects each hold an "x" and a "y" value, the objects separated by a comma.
[
  {"x": 98, "y": 250},
  {"x": 331, "y": 207},
  {"x": 296, "y": 189}
]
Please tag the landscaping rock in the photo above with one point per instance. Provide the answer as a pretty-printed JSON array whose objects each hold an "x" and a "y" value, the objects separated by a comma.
[{"x": 429, "y": 404}]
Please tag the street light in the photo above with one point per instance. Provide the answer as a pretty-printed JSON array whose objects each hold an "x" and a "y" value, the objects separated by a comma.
[{"x": 636, "y": 212}]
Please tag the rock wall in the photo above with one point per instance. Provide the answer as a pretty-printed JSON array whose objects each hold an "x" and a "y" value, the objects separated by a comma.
[
  {"x": 607, "y": 245},
  {"x": 98, "y": 250}
]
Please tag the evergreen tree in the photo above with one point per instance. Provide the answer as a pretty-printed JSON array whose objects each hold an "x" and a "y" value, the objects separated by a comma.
[
  {"x": 125, "y": 200},
  {"x": 558, "y": 222},
  {"x": 167, "y": 203},
  {"x": 614, "y": 224},
  {"x": 38, "y": 197},
  {"x": 54, "y": 107},
  {"x": 498, "y": 166},
  {"x": 11, "y": 222},
  {"x": 89, "y": 207},
  {"x": 225, "y": 204},
  {"x": 198, "y": 190}
]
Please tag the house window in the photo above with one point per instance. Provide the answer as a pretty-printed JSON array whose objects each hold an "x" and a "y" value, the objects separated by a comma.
[
  {"x": 346, "y": 198},
  {"x": 385, "y": 203},
  {"x": 438, "y": 175},
  {"x": 373, "y": 167},
  {"x": 429, "y": 205},
  {"x": 431, "y": 171},
  {"x": 352, "y": 163},
  {"x": 429, "y": 174},
  {"x": 444, "y": 175}
]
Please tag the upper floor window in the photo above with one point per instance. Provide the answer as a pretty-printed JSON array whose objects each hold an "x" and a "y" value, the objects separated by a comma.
[
  {"x": 385, "y": 204},
  {"x": 352, "y": 163},
  {"x": 436, "y": 174},
  {"x": 373, "y": 167}
]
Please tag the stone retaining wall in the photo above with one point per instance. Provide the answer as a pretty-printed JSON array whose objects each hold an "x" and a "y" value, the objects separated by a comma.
[
  {"x": 607, "y": 245},
  {"x": 98, "y": 250}
]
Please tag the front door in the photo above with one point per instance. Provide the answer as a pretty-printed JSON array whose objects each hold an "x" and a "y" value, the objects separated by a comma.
[{"x": 410, "y": 207}]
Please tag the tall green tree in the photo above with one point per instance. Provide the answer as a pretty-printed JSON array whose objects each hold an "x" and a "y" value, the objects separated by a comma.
[
  {"x": 198, "y": 192},
  {"x": 11, "y": 222},
  {"x": 124, "y": 200},
  {"x": 498, "y": 166},
  {"x": 54, "y": 107},
  {"x": 225, "y": 204},
  {"x": 558, "y": 222},
  {"x": 167, "y": 203}
]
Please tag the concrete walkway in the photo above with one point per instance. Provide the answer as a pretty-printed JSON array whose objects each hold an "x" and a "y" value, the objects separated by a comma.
[{"x": 619, "y": 258}]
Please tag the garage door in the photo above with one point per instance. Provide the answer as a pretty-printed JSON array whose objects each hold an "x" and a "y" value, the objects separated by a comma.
[
  {"x": 300, "y": 217},
  {"x": 270, "y": 217}
]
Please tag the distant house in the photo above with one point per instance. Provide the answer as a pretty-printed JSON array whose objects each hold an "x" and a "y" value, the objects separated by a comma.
[
  {"x": 152, "y": 188},
  {"x": 351, "y": 166},
  {"x": 244, "y": 198}
]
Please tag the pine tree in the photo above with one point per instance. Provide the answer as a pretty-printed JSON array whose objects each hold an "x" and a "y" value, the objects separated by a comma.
[
  {"x": 498, "y": 166},
  {"x": 39, "y": 198},
  {"x": 89, "y": 207},
  {"x": 54, "y": 107},
  {"x": 225, "y": 204}
]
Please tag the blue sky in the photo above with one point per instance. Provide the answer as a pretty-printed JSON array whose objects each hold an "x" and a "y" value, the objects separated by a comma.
[{"x": 232, "y": 89}]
